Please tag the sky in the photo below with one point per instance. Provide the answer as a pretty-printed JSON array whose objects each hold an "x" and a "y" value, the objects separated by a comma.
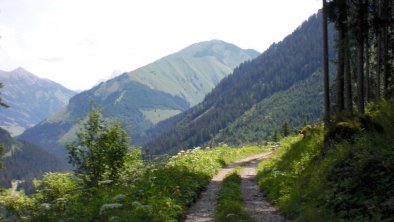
[{"x": 79, "y": 42}]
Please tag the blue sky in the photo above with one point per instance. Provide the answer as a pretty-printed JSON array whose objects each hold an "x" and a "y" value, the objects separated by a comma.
[{"x": 79, "y": 42}]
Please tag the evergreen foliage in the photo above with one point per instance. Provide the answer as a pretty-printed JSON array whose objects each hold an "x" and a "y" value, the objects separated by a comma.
[
  {"x": 2, "y": 103},
  {"x": 24, "y": 161},
  {"x": 300, "y": 104},
  {"x": 275, "y": 136},
  {"x": 1, "y": 152},
  {"x": 365, "y": 52},
  {"x": 286, "y": 129},
  {"x": 6, "y": 106}
]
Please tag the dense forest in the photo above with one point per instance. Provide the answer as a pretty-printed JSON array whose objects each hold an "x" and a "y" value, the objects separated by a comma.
[
  {"x": 365, "y": 51},
  {"x": 25, "y": 161},
  {"x": 300, "y": 104}
]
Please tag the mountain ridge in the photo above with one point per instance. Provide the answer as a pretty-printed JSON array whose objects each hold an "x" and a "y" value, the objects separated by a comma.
[
  {"x": 293, "y": 59},
  {"x": 145, "y": 96},
  {"x": 31, "y": 99}
]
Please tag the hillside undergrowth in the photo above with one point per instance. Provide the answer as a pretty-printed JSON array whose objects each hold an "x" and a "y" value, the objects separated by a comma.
[{"x": 347, "y": 180}]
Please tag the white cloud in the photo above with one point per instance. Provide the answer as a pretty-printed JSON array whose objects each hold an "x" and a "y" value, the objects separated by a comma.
[{"x": 78, "y": 42}]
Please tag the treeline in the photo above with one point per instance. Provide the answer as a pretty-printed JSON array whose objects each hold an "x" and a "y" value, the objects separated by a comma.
[{"x": 364, "y": 52}]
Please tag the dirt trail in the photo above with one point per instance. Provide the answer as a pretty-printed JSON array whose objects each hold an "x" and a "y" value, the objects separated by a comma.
[
  {"x": 255, "y": 204},
  {"x": 204, "y": 209}
]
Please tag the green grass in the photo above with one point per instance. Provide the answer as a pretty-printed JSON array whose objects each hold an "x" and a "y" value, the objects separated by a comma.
[
  {"x": 160, "y": 191},
  {"x": 157, "y": 115},
  {"x": 230, "y": 205},
  {"x": 347, "y": 181}
]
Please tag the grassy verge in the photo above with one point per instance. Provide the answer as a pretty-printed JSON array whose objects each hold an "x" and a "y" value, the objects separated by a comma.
[
  {"x": 230, "y": 203},
  {"x": 150, "y": 192},
  {"x": 348, "y": 181}
]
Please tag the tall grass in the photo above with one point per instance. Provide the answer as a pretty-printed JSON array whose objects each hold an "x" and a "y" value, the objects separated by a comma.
[{"x": 348, "y": 181}]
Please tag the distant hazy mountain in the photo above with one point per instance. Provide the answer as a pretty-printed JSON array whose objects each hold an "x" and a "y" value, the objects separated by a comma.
[
  {"x": 145, "y": 96},
  {"x": 25, "y": 161},
  {"x": 31, "y": 99}
]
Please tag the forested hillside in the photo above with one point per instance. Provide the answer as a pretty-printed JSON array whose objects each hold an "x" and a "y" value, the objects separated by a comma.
[
  {"x": 284, "y": 64},
  {"x": 25, "y": 161},
  {"x": 31, "y": 99},
  {"x": 300, "y": 104},
  {"x": 143, "y": 97}
]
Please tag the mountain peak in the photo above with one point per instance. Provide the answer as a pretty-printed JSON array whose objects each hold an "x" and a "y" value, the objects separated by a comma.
[
  {"x": 31, "y": 99},
  {"x": 19, "y": 74},
  {"x": 225, "y": 52},
  {"x": 20, "y": 70}
]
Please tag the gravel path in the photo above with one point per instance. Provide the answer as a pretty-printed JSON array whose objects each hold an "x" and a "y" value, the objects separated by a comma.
[
  {"x": 255, "y": 204},
  {"x": 204, "y": 209}
]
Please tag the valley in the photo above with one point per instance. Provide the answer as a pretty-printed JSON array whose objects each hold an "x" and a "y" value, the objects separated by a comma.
[
  {"x": 302, "y": 131},
  {"x": 143, "y": 97}
]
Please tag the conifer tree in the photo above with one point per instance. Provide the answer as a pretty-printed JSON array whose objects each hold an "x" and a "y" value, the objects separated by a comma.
[
  {"x": 286, "y": 129},
  {"x": 1, "y": 152},
  {"x": 275, "y": 136},
  {"x": 2, "y": 104},
  {"x": 325, "y": 65}
]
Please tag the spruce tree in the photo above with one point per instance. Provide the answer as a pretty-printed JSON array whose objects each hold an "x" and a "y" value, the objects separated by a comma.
[
  {"x": 325, "y": 65},
  {"x": 286, "y": 129},
  {"x": 2, "y": 104}
]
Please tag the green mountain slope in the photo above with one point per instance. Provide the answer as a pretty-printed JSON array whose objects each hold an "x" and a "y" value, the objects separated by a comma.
[
  {"x": 141, "y": 98},
  {"x": 25, "y": 161},
  {"x": 31, "y": 99},
  {"x": 194, "y": 71},
  {"x": 301, "y": 103},
  {"x": 284, "y": 64}
]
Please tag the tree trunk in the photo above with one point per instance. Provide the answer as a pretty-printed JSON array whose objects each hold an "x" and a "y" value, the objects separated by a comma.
[
  {"x": 325, "y": 66},
  {"x": 367, "y": 74},
  {"x": 348, "y": 79},
  {"x": 360, "y": 54},
  {"x": 360, "y": 76},
  {"x": 385, "y": 46},
  {"x": 341, "y": 48},
  {"x": 340, "y": 79},
  {"x": 378, "y": 65}
]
